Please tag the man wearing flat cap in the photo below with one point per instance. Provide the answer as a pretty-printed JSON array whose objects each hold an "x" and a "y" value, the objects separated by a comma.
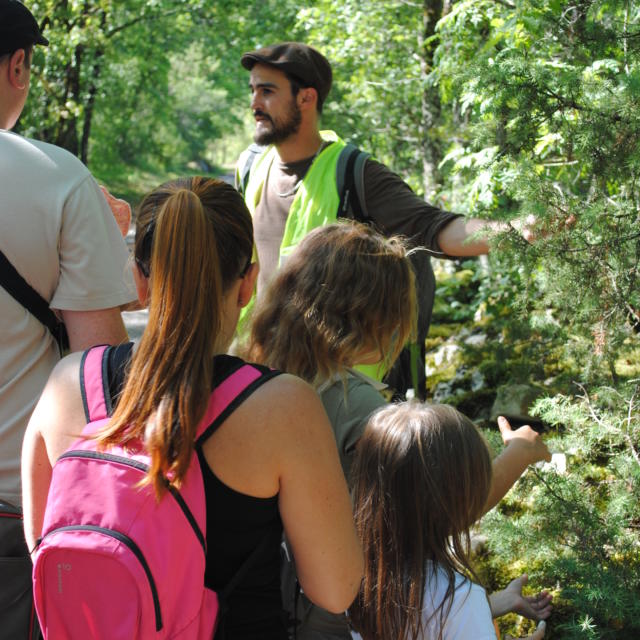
[
  {"x": 298, "y": 177},
  {"x": 295, "y": 181},
  {"x": 59, "y": 238}
]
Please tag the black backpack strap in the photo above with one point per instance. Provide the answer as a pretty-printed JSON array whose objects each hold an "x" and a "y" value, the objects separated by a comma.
[
  {"x": 350, "y": 184},
  {"x": 32, "y": 301},
  {"x": 245, "y": 163},
  {"x": 116, "y": 363}
]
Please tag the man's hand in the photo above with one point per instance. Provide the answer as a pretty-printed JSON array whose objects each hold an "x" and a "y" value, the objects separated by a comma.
[
  {"x": 121, "y": 211},
  {"x": 531, "y": 229},
  {"x": 526, "y": 439}
]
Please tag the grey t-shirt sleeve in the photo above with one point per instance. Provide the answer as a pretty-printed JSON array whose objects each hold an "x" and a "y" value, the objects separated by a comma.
[
  {"x": 95, "y": 272},
  {"x": 397, "y": 210},
  {"x": 348, "y": 415}
]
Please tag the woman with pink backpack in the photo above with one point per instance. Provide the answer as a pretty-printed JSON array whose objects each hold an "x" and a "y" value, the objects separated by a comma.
[{"x": 172, "y": 469}]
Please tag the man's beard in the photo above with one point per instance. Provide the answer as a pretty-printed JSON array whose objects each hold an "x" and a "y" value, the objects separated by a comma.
[{"x": 281, "y": 130}]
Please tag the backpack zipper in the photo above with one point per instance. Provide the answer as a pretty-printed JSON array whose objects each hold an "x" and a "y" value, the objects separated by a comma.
[
  {"x": 9, "y": 514},
  {"x": 97, "y": 455},
  {"x": 141, "y": 466},
  {"x": 132, "y": 546}
]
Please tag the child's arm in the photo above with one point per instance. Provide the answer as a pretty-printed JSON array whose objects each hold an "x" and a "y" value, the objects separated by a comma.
[{"x": 523, "y": 447}]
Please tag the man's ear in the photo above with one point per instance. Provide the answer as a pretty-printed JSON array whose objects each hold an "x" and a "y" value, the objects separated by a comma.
[
  {"x": 248, "y": 285},
  {"x": 18, "y": 69},
  {"x": 307, "y": 98}
]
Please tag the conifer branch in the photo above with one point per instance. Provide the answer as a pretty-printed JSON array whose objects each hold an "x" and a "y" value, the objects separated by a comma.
[
  {"x": 627, "y": 435},
  {"x": 587, "y": 400}
]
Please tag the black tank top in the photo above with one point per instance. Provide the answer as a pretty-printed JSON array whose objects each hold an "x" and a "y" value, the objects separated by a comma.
[{"x": 236, "y": 525}]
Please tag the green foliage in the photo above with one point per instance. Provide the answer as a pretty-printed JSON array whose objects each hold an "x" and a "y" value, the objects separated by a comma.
[
  {"x": 574, "y": 533},
  {"x": 547, "y": 96},
  {"x": 589, "y": 517},
  {"x": 550, "y": 92},
  {"x": 145, "y": 84},
  {"x": 86, "y": 37}
]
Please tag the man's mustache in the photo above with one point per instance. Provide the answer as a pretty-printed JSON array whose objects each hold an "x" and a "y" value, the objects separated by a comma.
[{"x": 262, "y": 114}]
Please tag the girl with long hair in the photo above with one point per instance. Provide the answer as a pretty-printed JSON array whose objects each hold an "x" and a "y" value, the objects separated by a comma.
[
  {"x": 272, "y": 463},
  {"x": 421, "y": 477},
  {"x": 345, "y": 297}
]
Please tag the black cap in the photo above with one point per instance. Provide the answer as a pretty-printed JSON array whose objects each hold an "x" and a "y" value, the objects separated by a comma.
[
  {"x": 301, "y": 61},
  {"x": 18, "y": 28}
]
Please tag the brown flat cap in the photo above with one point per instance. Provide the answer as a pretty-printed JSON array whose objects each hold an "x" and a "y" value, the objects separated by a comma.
[{"x": 301, "y": 61}]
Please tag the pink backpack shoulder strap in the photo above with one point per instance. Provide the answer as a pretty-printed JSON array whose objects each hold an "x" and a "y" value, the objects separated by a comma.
[
  {"x": 94, "y": 383},
  {"x": 239, "y": 383},
  {"x": 241, "y": 379}
]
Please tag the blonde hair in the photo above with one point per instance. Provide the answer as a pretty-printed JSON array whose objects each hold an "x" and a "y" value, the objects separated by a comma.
[
  {"x": 343, "y": 291},
  {"x": 421, "y": 477},
  {"x": 193, "y": 238}
]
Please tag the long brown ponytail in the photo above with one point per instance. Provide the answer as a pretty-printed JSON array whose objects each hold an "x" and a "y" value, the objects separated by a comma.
[{"x": 193, "y": 237}]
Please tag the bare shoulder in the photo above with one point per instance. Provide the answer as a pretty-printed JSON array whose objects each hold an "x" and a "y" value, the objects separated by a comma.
[
  {"x": 59, "y": 414},
  {"x": 286, "y": 385},
  {"x": 275, "y": 434},
  {"x": 287, "y": 396},
  {"x": 67, "y": 371},
  {"x": 289, "y": 409}
]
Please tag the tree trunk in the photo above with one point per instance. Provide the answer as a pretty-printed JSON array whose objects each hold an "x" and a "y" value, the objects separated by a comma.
[
  {"x": 88, "y": 110},
  {"x": 67, "y": 134},
  {"x": 93, "y": 90},
  {"x": 430, "y": 100}
]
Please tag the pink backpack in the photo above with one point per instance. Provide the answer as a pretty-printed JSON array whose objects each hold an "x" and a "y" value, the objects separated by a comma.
[{"x": 112, "y": 562}]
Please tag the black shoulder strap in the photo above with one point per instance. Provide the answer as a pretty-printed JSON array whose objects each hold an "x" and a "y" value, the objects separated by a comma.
[
  {"x": 116, "y": 363},
  {"x": 350, "y": 183},
  {"x": 32, "y": 301},
  {"x": 250, "y": 154}
]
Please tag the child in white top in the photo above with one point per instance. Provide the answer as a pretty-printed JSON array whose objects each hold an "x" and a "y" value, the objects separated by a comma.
[{"x": 421, "y": 477}]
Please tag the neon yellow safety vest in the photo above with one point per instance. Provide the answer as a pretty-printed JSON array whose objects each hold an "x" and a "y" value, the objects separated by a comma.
[
  {"x": 316, "y": 201},
  {"x": 314, "y": 205}
]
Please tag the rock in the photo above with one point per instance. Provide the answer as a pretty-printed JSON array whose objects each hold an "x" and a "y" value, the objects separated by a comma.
[
  {"x": 444, "y": 355},
  {"x": 478, "y": 542},
  {"x": 558, "y": 463},
  {"x": 515, "y": 400},
  {"x": 476, "y": 340},
  {"x": 477, "y": 381}
]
